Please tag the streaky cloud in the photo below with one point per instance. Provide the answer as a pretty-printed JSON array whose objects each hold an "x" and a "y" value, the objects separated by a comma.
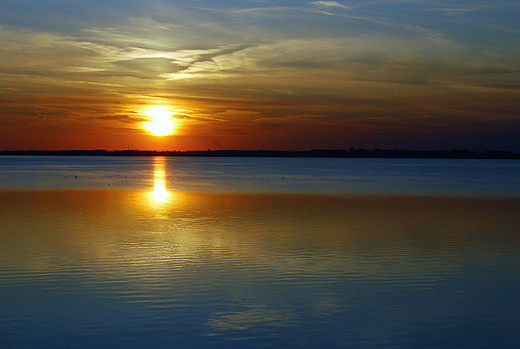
[
  {"x": 330, "y": 4},
  {"x": 458, "y": 10}
]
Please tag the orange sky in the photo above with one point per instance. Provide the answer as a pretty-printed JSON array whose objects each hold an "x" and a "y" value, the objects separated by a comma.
[{"x": 323, "y": 74}]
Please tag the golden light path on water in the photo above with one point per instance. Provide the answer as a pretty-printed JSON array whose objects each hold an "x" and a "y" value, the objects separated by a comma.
[{"x": 159, "y": 194}]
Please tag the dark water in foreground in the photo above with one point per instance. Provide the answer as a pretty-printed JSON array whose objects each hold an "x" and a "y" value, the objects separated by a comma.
[{"x": 147, "y": 265}]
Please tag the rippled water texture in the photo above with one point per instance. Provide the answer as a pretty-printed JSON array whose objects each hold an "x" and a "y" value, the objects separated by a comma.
[{"x": 159, "y": 268}]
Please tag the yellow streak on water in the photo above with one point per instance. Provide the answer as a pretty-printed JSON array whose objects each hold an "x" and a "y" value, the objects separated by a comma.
[{"x": 101, "y": 225}]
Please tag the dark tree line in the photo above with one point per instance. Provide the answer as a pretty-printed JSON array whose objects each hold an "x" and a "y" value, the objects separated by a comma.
[{"x": 338, "y": 153}]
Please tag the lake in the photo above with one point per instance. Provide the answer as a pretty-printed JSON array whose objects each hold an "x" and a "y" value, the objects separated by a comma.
[{"x": 133, "y": 252}]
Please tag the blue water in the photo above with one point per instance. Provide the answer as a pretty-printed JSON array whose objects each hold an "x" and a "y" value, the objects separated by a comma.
[
  {"x": 145, "y": 252},
  {"x": 446, "y": 177}
]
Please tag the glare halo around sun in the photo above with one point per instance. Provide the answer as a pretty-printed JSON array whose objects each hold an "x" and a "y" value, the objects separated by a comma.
[{"x": 161, "y": 124}]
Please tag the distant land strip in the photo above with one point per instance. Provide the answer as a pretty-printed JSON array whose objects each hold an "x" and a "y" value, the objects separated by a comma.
[{"x": 330, "y": 153}]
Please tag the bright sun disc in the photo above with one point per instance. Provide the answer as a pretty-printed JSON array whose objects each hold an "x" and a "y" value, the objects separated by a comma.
[{"x": 161, "y": 125}]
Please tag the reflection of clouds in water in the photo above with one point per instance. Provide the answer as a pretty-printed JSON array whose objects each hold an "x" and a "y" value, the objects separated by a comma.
[
  {"x": 327, "y": 305},
  {"x": 248, "y": 319},
  {"x": 249, "y": 270}
]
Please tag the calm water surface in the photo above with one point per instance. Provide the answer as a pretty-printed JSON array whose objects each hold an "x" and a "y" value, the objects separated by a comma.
[
  {"x": 235, "y": 253},
  {"x": 446, "y": 177}
]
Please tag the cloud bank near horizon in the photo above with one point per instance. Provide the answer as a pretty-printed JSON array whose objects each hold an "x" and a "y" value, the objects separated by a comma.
[{"x": 261, "y": 74}]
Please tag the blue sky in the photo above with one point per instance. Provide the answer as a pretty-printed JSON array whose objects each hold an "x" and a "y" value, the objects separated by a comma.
[{"x": 261, "y": 74}]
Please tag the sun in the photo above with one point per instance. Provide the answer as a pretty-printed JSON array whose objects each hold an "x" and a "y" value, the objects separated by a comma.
[{"x": 161, "y": 123}]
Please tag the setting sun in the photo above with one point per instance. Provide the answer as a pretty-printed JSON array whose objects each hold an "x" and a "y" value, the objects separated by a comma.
[{"x": 161, "y": 124}]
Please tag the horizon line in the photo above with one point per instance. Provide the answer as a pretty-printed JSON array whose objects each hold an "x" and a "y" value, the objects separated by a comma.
[{"x": 360, "y": 152}]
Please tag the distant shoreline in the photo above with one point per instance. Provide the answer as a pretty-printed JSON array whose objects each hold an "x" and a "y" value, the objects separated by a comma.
[{"x": 324, "y": 153}]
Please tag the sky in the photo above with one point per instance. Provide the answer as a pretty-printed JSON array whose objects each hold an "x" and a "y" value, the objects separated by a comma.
[{"x": 255, "y": 74}]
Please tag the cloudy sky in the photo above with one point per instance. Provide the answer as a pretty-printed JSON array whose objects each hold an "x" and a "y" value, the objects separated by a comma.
[{"x": 258, "y": 74}]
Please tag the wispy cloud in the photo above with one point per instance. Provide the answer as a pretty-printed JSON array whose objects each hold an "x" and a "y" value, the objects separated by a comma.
[
  {"x": 262, "y": 9},
  {"x": 458, "y": 10},
  {"x": 282, "y": 63},
  {"x": 330, "y": 4}
]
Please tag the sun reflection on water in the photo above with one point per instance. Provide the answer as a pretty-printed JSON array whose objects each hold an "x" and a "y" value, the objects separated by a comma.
[{"x": 160, "y": 193}]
